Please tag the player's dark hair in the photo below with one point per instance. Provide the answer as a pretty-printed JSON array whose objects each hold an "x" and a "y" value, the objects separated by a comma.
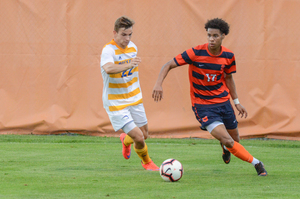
[
  {"x": 123, "y": 22},
  {"x": 218, "y": 23}
]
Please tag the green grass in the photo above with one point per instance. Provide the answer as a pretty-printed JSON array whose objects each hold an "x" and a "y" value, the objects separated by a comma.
[{"x": 93, "y": 167}]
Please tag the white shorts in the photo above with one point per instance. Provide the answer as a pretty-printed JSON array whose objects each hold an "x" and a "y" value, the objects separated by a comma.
[{"x": 120, "y": 118}]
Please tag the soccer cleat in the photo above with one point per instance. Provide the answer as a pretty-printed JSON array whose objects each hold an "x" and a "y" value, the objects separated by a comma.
[
  {"x": 260, "y": 168},
  {"x": 150, "y": 166},
  {"x": 126, "y": 150},
  {"x": 226, "y": 155}
]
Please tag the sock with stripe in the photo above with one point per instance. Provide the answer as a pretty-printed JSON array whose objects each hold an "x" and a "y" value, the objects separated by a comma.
[
  {"x": 240, "y": 152},
  {"x": 127, "y": 140},
  {"x": 143, "y": 154}
]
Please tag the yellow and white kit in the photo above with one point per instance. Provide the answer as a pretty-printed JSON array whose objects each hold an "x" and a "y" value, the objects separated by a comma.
[{"x": 122, "y": 95}]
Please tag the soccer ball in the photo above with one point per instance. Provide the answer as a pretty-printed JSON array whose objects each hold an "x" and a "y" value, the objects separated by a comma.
[{"x": 171, "y": 170}]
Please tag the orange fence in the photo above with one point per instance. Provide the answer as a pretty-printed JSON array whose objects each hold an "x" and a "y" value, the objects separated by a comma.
[{"x": 50, "y": 63}]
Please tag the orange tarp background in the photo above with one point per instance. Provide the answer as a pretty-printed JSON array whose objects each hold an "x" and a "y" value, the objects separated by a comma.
[{"x": 50, "y": 63}]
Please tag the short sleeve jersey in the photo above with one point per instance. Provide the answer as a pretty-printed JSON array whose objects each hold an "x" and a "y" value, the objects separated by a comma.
[
  {"x": 122, "y": 89},
  {"x": 206, "y": 73}
]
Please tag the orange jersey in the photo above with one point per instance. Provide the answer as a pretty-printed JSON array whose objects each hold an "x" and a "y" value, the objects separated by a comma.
[{"x": 206, "y": 73}]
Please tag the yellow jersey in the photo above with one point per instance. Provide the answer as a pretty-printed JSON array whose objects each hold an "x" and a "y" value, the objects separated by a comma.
[{"x": 122, "y": 89}]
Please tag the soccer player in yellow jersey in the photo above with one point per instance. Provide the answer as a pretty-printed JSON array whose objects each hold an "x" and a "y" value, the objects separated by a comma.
[{"x": 122, "y": 96}]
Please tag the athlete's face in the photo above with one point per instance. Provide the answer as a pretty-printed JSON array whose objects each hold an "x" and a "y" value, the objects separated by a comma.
[
  {"x": 215, "y": 38},
  {"x": 123, "y": 36}
]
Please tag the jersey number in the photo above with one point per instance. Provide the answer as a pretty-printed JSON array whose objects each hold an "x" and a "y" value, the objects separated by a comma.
[
  {"x": 127, "y": 73},
  {"x": 211, "y": 77}
]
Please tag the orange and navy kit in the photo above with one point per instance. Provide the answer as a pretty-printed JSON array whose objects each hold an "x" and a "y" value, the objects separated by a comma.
[
  {"x": 206, "y": 73},
  {"x": 209, "y": 93}
]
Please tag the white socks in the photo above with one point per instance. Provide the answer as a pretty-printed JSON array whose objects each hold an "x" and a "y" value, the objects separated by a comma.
[{"x": 255, "y": 161}]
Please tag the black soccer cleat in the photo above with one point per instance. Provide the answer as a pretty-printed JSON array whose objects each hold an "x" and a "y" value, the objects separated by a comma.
[
  {"x": 260, "y": 168},
  {"x": 226, "y": 155}
]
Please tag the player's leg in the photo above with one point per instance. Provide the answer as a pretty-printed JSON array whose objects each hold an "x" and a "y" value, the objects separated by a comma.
[
  {"x": 126, "y": 139},
  {"x": 239, "y": 151},
  {"x": 122, "y": 120},
  {"x": 230, "y": 123},
  {"x": 140, "y": 119},
  {"x": 137, "y": 137},
  {"x": 144, "y": 130},
  {"x": 141, "y": 148},
  {"x": 234, "y": 133},
  {"x": 211, "y": 116},
  {"x": 226, "y": 155},
  {"x": 220, "y": 133}
]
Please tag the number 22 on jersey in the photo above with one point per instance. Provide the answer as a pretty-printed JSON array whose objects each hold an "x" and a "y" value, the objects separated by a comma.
[{"x": 127, "y": 73}]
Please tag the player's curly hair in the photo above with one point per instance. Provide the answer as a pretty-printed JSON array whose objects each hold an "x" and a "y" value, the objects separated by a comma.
[
  {"x": 123, "y": 22},
  {"x": 218, "y": 23}
]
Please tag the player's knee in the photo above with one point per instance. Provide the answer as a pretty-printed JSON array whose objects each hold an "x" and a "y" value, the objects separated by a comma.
[
  {"x": 228, "y": 142},
  {"x": 139, "y": 139},
  {"x": 139, "y": 142}
]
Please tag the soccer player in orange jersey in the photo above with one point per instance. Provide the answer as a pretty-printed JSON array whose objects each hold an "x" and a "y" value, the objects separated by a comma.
[
  {"x": 211, "y": 66},
  {"x": 122, "y": 96}
]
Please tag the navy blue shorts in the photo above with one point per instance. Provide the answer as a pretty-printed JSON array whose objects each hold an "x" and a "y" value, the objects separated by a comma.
[{"x": 223, "y": 112}]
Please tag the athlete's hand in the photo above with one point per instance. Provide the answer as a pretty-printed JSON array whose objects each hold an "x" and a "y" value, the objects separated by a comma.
[
  {"x": 157, "y": 93},
  {"x": 135, "y": 62},
  {"x": 242, "y": 111}
]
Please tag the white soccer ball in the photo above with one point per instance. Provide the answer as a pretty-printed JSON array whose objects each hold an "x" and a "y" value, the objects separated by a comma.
[{"x": 171, "y": 170}]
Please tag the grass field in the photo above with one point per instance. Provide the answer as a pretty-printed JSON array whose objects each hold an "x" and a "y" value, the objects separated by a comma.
[{"x": 93, "y": 167}]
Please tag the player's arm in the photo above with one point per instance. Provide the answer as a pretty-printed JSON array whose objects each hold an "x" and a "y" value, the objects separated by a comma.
[
  {"x": 232, "y": 89},
  {"x": 111, "y": 68},
  {"x": 157, "y": 93}
]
